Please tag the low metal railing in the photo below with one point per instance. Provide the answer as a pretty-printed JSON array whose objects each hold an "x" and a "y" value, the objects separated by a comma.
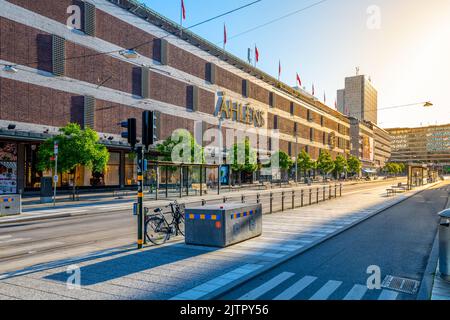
[{"x": 281, "y": 200}]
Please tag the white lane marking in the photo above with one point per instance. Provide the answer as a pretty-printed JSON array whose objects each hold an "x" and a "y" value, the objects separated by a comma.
[
  {"x": 356, "y": 293},
  {"x": 29, "y": 248},
  {"x": 6, "y": 237},
  {"x": 270, "y": 246},
  {"x": 296, "y": 288},
  {"x": 14, "y": 240},
  {"x": 286, "y": 240},
  {"x": 326, "y": 291},
  {"x": 269, "y": 285},
  {"x": 388, "y": 295},
  {"x": 216, "y": 283}
]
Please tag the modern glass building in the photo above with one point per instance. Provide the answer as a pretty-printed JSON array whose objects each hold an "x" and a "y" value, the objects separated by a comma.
[{"x": 427, "y": 145}]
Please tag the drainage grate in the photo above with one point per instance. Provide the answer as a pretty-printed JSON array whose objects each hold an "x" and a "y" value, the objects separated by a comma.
[{"x": 404, "y": 285}]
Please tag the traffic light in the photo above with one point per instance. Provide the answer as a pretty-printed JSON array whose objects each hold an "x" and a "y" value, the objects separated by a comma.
[
  {"x": 130, "y": 134},
  {"x": 148, "y": 128}
]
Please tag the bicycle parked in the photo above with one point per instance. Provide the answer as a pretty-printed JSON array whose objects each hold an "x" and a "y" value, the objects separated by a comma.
[{"x": 158, "y": 229}]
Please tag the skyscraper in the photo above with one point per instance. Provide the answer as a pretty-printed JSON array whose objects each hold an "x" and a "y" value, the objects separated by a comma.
[{"x": 359, "y": 99}]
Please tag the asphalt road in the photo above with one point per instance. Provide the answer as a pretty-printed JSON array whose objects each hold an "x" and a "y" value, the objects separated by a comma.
[
  {"x": 398, "y": 241},
  {"x": 31, "y": 243}
]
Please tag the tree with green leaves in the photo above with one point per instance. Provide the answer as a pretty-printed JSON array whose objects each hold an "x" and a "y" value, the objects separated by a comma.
[
  {"x": 283, "y": 160},
  {"x": 393, "y": 168},
  {"x": 304, "y": 162},
  {"x": 354, "y": 165},
  {"x": 325, "y": 163},
  {"x": 340, "y": 165},
  {"x": 76, "y": 147},
  {"x": 181, "y": 147},
  {"x": 244, "y": 158}
]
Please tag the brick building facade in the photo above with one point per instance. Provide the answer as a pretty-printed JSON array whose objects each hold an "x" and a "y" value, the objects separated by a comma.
[{"x": 65, "y": 75}]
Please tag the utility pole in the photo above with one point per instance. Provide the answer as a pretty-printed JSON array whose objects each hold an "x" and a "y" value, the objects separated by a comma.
[
  {"x": 55, "y": 177},
  {"x": 140, "y": 178}
]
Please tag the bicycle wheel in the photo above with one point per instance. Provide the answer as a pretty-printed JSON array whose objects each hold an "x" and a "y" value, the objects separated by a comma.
[
  {"x": 157, "y": 231},
  {"x": 180, "y": 225}
]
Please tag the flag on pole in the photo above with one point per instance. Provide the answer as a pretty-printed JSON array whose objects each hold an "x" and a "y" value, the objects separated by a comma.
[
  {"x": 279, "y": 69},
  {"x": 324, "y": 98},
  {"x": 256, "y": 54},
  {"x": 335, "y": 104},
  {"x": 299, "y": 81},
  {"x": 224, "y": 35},
  {"x": 313, "y": 91},
  {"x": 183, "y": 10},
  {"x": 249, "y": 56}
]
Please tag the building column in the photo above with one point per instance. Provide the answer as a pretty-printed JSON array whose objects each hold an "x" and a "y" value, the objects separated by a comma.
[
  {"x": 20, "y": 168},
  {"x": 122, "y": 170}
]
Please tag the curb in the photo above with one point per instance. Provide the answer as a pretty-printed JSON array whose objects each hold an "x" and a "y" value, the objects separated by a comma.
[
  {"x": 75, "y": 214},
  {"x": 426, "y": 287},
  {"x": 233, "y": 285}
]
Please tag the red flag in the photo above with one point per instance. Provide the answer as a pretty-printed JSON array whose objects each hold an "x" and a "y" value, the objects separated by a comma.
[
  {"x": 335, "y": 104},
  {"x": 183, "y": 10},
  {"x": 256, "y": 54},
  {"x": 279, "y": 69},
  {"x": 224, "y": 34},
  {"x": 299, "y": 81}
]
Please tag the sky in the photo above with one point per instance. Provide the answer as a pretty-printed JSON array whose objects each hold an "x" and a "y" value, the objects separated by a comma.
[{"x": 403, "y": 45}]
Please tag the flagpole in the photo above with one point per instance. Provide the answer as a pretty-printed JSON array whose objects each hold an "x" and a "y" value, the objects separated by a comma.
[
  {"x": 255, "y": 56},
  {"x": 181, "y": 19}
]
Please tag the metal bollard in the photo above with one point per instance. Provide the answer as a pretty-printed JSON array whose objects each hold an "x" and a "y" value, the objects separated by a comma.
[
  {"x": 282, "y": 201},
  {"x": 242, "y": 198},
  {"x": 271, "y": 202},
  {"x": 324, "y": 193},
  {"x": 302, "y": 198},
  {"x": 258, "y": 198},
  {"x": 310, "y": 196},
  {"x": 444, "y": 244},
  {"x": 340, "y": 190},
  {"x": 335, "y": 191},
  {"x": 317, "y": 195},
  {"x": 329, "y": 192},
  {"x": 293, "y": 199}
]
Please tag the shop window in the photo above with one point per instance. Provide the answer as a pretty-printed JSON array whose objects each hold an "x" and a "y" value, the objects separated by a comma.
[
  {"x": 8, "y": 168},
  {"x": 130, "y": 169}
]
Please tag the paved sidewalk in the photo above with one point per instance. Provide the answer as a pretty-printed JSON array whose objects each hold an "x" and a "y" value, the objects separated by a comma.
[
  {"x": 179, "y": 271},
  {"x": 441, "y": 288},
  {"x": 46, "y": 211}
]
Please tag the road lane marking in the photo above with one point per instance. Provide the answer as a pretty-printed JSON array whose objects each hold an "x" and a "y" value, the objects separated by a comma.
[
  {"x": 326, "y": 291},
  {"x": 216, "y": 283},
  {"x": 269, "y": 285},
  {"x": 14, "y": 240},
  {"x": 356, "y": 293},
  {"x": 296, "y": 288},
  {"x": 6, "y": 237},
  {"x": 388, "y": 295}
]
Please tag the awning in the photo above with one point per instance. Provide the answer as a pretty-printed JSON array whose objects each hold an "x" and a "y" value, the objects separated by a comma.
[{"x": 369, "y": 170}]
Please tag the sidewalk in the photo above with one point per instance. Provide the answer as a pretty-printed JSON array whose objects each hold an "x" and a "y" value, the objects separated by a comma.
[
  {"x": 32, "y": 212},
  {"x": 441, "y": 288},
  {"x": 179, "y": 271}
]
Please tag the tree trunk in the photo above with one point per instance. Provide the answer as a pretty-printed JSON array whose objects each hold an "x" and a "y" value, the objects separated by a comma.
[{"x": 74, "y": 183}]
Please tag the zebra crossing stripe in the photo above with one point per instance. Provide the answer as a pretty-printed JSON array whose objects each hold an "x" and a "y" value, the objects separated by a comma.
[
  {"x": 326, "y": 291},
  {"x": 296, "y": 288},
  {"x": 356, "y": 293},
  {"x": 388, "y": 295},
  {"x": 269, "y": 285}
]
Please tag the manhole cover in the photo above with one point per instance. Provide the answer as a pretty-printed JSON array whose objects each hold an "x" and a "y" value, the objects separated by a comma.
[{"x": 404, "y": 285}]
